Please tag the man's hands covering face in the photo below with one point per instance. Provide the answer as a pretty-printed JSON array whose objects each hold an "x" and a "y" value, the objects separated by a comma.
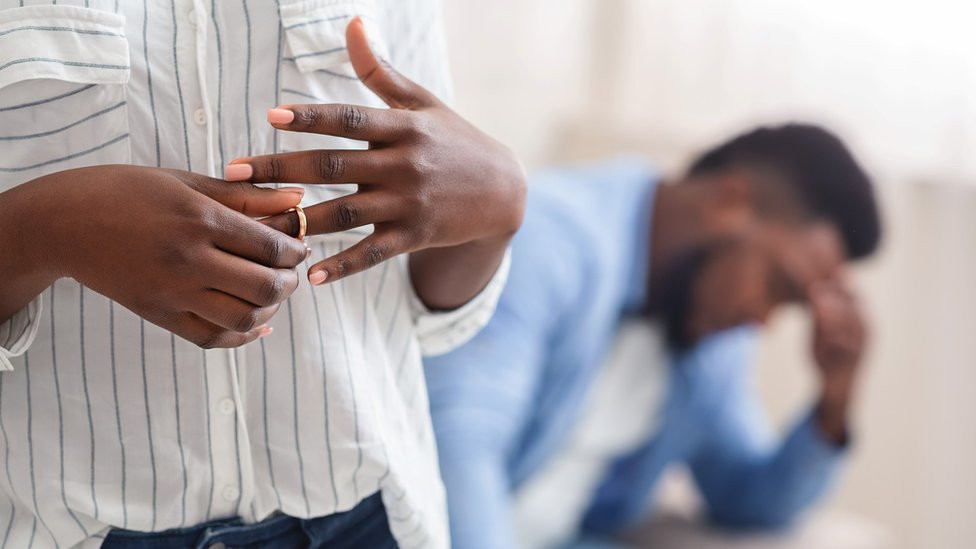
[
  {"x": 839, "y": 339},
  {"x": 840, "y": 331},
  {"x": 428, "y": 180},
  {"x": 178, "y": 249}
]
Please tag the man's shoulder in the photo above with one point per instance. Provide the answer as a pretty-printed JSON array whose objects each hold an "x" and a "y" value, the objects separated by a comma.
[
  {"x": 584, "y": 206},
  {"x": 579, "y": 185},
  {"x": 576, "y": 237}
]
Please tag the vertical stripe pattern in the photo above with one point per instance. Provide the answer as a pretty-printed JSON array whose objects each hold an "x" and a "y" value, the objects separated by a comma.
[{"x": 109, "y": 420}]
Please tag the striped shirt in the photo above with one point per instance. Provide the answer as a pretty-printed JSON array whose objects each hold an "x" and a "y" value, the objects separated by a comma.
[{"x": 109, "y": 421}]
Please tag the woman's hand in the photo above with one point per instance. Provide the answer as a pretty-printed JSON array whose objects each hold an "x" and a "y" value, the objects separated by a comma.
[
  {"x": 428, "y": 180},
  {"x": 177, "y": 248}
]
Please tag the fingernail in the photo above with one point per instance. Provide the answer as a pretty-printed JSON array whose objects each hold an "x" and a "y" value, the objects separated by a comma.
[
  {"x": 317, "y": 277},
  {"x": 359, "y": 21},
  {"x": 297, "y": 190},
  {"x": 280, "y": 116},
  {"x": 238, "y": 172},
  {"x": 308, "y": 253},
  {"x": 265, "y": 331}
]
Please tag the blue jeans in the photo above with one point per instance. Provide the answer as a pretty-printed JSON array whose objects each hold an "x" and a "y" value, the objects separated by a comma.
[{"x": 363, "y": 526}]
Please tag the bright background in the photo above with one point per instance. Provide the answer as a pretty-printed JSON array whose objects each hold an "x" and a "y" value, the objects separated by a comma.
[{"x": 570, "y": 80}]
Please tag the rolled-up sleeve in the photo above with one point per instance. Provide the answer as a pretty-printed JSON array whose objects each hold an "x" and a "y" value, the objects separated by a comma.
[
  {"x": 442, "y": 332},
  {"x": 18, "y": 332}
]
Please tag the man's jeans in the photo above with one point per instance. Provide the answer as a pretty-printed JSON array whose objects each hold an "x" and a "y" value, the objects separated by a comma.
[{"x": 363, "y": 526}]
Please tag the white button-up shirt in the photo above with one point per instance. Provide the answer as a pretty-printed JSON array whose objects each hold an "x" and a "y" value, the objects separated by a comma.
[{"x": 109, "y": 421}]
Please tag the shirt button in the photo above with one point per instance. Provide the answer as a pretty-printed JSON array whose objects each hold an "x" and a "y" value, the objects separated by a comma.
[
  {"x": 226, "y": 406},
  {"x": 200, "y": 117},
  {"x": 231, "y": 493},
  {"x": 192, "y": 16}
]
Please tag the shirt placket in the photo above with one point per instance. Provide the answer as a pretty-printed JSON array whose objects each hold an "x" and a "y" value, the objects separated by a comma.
[{"x": 229, "y": 442}]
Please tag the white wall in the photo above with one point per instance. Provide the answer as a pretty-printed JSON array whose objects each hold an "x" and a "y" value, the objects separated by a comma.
[{"x": 565, "y": 80}]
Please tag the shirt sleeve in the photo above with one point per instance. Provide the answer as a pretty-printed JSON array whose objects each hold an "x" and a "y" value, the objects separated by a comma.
[
  {"x": 415, "y": 32},
  {"x": 483, "y": 394},
  {"x": 749, "y": 477},
  {"x": 754, "y": 488},
  {"x": 480, "y": 395},
  {"x": 18, "y": 333},
  {"x": 440, "y": 332}
]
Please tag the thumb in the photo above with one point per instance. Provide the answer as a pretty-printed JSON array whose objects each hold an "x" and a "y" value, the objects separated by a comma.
[
  {"x": 248, "y": 199},
  {"x": 392, "y": 87}
]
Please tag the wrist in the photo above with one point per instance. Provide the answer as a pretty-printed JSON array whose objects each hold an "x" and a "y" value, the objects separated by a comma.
[
  {"x": 29, "y": 224},
  {"x": 832, "y": 412},
  {"x": 447, "y": 278},
  {"x": 24, "y": 267},
  {"x": 511, "y": 200}
]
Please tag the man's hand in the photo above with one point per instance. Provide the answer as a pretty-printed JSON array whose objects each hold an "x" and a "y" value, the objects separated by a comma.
[
  {"x": 839, "y": 338},
  {"x": 428, "y": 180},
  {"x": 177, "y": 248}
]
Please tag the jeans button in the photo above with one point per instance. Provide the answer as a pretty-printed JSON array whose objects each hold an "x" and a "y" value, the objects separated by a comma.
[{"x": 218, "y": 545}]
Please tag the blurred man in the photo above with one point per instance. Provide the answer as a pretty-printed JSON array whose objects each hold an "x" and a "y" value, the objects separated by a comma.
[{"x": 769, "y": 218}]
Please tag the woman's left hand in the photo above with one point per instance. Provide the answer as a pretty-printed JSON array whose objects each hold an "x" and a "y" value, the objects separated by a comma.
[{"x": 429, "y": 179}]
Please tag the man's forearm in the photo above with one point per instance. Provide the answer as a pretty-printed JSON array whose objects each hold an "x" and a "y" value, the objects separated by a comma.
[{"x": 447, "y": 278}]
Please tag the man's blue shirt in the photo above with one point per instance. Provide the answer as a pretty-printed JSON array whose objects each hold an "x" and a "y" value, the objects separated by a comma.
[{"x": 506, "y": 401}]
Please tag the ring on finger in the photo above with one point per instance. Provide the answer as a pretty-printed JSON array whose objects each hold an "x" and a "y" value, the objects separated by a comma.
[{"x": 302, "y": 221}]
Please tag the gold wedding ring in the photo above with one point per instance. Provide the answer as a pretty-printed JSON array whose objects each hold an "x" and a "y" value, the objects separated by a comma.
[{"x": 302, "y": 221}]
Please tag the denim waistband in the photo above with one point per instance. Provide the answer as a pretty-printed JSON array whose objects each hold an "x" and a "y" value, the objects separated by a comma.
[{"x": 275, "y": 531}]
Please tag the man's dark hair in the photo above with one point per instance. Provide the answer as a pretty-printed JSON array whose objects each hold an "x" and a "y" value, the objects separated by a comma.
[{"x": 820, "y": 169}]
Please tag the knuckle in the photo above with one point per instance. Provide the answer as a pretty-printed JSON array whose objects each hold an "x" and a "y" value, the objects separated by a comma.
[
  {"x": 272, "y": 290},
  {"x": 419, "y": 166},
  {"x": 375, "y": 254},
  {"x": 190, "y": 210},
  {"x": 197, "y": 217},
  {"x": 273, "y": 250},
  {"x": 352, "y": 119},
  {"x": 417, "y": 201},
  {"x": 418, "y": 125},
  {"x": 274, "y": 168},
  {"x": 178, "y": 255},
  {"x": 331, "y": 166},
  {"x": 247, "y": 321},
  {"x": 238, "y": 188},
  {"x": 343, "y": 267},
  {"x": 210, "y": 340},
  {"x": 307, "y": 117},
  {"x": 290, "y": 284},
  {"x": 418, "y": 235},
  {"x": 345, "y": 215}
]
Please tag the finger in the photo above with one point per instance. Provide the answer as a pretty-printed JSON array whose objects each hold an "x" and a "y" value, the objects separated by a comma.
[
  {"x": 246, "y": 198},
  {"x": 350, "y": 121},
  {"x": 369, "y": 252},
  {"x": 207, "y": 335},
  {"x": 231, "y": 313},
  {"x": 323, "y": 166},
  {"x": 337, "y": 215},
  {"x": 827, "y": 302},
  {"x": 259, "y": 285},
  {"x": 247, "y": 238},
  {"x": 392, "y": 87}
]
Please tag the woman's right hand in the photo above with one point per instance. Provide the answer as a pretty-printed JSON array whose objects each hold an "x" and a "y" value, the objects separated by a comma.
[{"x": 179, "y": 249}]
